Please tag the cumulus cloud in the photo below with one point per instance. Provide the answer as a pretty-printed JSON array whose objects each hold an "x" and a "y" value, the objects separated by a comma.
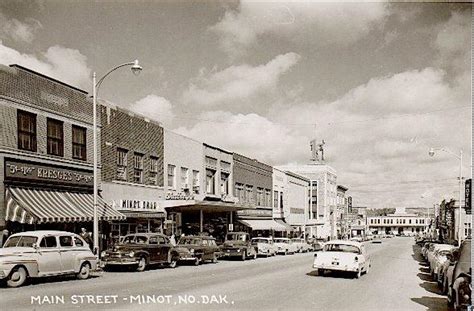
[
  {"x": 238, "y": 82},
  {"x": 17, "y": 30},
  {"x": 58, "y": 62},
  {"x": 156, "y": 108},
  {"x": 338, "y": 23}
]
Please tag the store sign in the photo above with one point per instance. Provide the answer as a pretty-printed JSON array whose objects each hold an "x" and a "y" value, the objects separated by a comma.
[
  {"x": 34, "y": 172},
  {"x": 467, "y": 193},
  {"x": 255, "y": 213},
  {"x": 178, "y": 196},
  {"x": 136, "y": 205}
]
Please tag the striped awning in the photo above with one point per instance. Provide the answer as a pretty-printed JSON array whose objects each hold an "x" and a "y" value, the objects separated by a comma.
[
  {"x": 46, "y": 206},
  {"x": 263, "y": 224}
]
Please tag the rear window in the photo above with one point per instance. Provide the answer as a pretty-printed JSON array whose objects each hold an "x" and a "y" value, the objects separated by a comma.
[
  {"x": 21, "y": 241},
  {"x": 260, "y": 241},
  {"x": 344, "y": 248}
]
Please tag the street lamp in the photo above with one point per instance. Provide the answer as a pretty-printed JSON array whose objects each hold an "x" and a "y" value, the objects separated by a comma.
[
  {"x": 431, "y": 152},
  {"x": 136, "y": 68}
]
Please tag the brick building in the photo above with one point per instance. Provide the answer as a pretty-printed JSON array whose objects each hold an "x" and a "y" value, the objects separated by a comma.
[
  {"x": 46, "y": 154},
  {"x": 132, "y": 169}
]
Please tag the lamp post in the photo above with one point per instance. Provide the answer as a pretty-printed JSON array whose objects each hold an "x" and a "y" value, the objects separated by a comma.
[
  {"x": 459, "y": 157},
  {"x": 136, "y": 68}
]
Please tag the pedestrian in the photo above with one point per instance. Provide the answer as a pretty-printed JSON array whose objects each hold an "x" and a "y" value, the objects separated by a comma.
[
  {"x": 87, "y": 237},
  {"x": 4, "y": 237},
  {"x": 172, "y": 240}
]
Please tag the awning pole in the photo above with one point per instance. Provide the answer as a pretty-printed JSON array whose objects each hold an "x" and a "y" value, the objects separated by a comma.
[{"x": 201, "y": 216}]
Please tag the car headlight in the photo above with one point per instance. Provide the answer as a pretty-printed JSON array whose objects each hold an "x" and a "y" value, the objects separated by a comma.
[
  {"x": 238, "y": 251},
  {"x": 464, "y": 292},
  {"x": 131, "y": 254},
  {"x": 191, "y": 250},
  {"x": 103, "y": 254}
]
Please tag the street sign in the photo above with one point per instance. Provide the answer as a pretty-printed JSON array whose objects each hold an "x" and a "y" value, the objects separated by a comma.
[
  {"x": 349, "y": 204},
  {"x": 467, "y": 196}
]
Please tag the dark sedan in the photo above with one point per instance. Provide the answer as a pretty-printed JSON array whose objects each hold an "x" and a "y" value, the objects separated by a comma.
[
  {"x": 197, "y": 249},
  {"x": 141, "y": 250}
]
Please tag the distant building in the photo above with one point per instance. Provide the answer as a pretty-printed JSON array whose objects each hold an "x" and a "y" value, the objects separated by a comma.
[
  {"x": 341, "y": 210},
  {"x": 398, "y": 223}
]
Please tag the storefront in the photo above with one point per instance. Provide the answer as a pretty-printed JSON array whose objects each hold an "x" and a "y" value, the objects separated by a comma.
[
  {"x": 42, "y": 196},
  {"x": 259, "y": 222}
]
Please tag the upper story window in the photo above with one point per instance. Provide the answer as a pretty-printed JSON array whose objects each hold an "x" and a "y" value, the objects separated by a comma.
[
  {"x": 138, "y": 168},
  {"x": 196, "y": 182},
  {"x": 224, "y": 183},
  {"x": 259, "y": 196},
  {"x": 26, "y": 130},
  {"x": 122, "y": 155},
  {"x": 184, "y": 178},
  {"x": 79, "y": 143},
  {"x": 268, "y": 197},
  {"x": 210, "y": 181},
  {"x": 55, "y": 137},
  {"x": 171, "y": 176},
  {"x": 275, "y": 199},
  {"x": 239, "y": 192},
  {"x": 153, "y": 170}
]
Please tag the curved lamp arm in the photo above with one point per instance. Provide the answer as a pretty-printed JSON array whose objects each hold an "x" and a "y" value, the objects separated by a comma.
[
  {"x": 445, "y": 150},
  {"x": 135, "y": 68}
]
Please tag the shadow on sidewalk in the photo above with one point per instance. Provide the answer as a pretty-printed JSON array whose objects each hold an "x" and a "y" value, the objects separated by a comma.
[{"x": 432, "y": 303}]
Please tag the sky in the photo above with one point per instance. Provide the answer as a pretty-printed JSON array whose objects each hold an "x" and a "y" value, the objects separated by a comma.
[{"x": 380, "y": 82}]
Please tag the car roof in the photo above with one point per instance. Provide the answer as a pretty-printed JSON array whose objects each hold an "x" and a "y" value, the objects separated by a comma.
[
  {"x": 344, "y": 242},
  {"x": 204, "y": 237},
  {"x": 40, "y": 233},
  {"x": 147, "y": 234}
]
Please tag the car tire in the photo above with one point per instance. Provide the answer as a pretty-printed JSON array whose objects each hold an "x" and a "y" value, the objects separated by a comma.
[
  {"x": 244, "y": 256},
  {"x": 444, "y": 288},
  {"x": 214, "y": 258},
  {"x": 84, "y": 271},
  {"x": 285, "y": 253},
  {"x": 197, "y": 261},
  {"x": 255, "y": 256},
  {"x": 358, "y": 274},
  {"x": 141, "y": 264},
  {"x": 368, "y": 269},
  {"x": 17, "y": 277},
  {"x": 320, "y": 272}
]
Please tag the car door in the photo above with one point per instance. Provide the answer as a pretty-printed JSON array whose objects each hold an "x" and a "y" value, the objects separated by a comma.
[
  {"x": 365, "y": 258},
  {"x": 154, "y": 249},
  {"x": 164, "y": 248},
  {"x": 49, "y": 258},
  {"x": 66, "y": 250},
  {"x": 206, "y": 249}
]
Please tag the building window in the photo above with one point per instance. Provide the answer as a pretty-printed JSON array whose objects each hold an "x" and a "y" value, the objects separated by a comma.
[
  {"x": 409, "y": 221},
  {"x": 281, "y": 201},
  {"x": 138, "y": 168},
  {"x": 171, "y": 176},
  {"x": 249, "y": 194},
  {"x": 211, "y": 161},
  {"x": 259, "y": 196},
  {"x": 210, "y": 181},
  {"x": 79, "y": 143},
  {"x": 224, "y": 183},
  {"x": 26, "y": 130},
  {"x": 153, "y": 170},
  {"x": 239, "y": 192},
  {"x": 122, "y": 163},
  {"x": 55, "y": 137},
  {"x": 268, "y": 197},
  {"x": 275, "y": 199},
  {"x": 196, "y": 182},
  {"x": 184, "y": 178}
]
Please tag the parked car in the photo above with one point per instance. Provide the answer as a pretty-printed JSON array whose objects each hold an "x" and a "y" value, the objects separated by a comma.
[
  {"x": 357, "y": 239},
  {"x": 446, "y": 270},
  {"x": 35, "y": 254},
  {"x": 197, "y": 249},
  {"x": 439, "y": 257},
  {"x": 301, "y": 245},
  {"x": 140, "y": 250},
  {"x": 238, "y": 244},
  {"x": 285, "y": 246},
  {"x": 265, "y": 246},
  {"x": 377, "y": 239},
  {"x": 341, "y": 255},
  {"x": 316, "y": 244},
  {"x": 432, "y": 251},
  {"x": 459, "y": 289}
]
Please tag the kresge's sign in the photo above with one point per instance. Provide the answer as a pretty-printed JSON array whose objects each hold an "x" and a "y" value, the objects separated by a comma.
[
  {"x": 137, "y": 206},
  {"x": 25, "y": 171}
]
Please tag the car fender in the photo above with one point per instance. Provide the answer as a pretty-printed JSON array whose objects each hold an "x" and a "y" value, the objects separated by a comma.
[
  {"x": 82, "y": 258},
  {"x": 10, "y": 262}
]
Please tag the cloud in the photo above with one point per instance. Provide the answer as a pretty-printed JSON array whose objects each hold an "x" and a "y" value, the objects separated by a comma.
[
  {"x": 328, "y": 23},
  {"x": 58, "y": 62},
  {"x": 250, "y": 134},
  {"x": 17, "y": 30},
  {"x": 238, "y": 82},
  {"x": 156, "y": 108}
]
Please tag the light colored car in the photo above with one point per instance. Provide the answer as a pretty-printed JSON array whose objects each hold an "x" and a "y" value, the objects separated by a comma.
[
  {"x": 440, "y": 257},
  {"x": 265, "y": 246},
  {"x": 35, "y": 254},
  {"x": 357, "y": 239},
  {"x": 433, "y": 251},
  {"x": 284, "y": 246},
  {"x": 377, "y": 239},
  {"x": 301, "y": 245},
  {"x": 446, "y": 269},
  {"x": 341, "y": 255}
]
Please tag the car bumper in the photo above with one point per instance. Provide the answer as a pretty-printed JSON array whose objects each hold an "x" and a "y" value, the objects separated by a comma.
[
  {"x": 118, "y": 262},
  {"x": 336, "y": 267},
  {"x": 231, "y": 253}
]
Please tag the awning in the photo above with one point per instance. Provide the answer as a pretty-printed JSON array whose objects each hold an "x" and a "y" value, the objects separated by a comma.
[
  {"x": 205, "y": 206},
  {"x": 153, "y": 215},
  {"x": 44, "y": 206},
  {"x": 263, "y": 224},
  {"x": 284, "y": 224}
]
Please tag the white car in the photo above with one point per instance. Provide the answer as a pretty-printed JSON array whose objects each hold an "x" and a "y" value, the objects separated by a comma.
[
  {"x": 284, "y": 246},
  {"x": 301, "y": 245},
  {"x": 265, "y": 246},
  {"x": 35, "y": 254},
  {"x": 341, "y": 255}
]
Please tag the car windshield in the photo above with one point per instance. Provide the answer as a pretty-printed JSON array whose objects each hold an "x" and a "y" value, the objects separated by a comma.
[
  {"x": 236, "y": 237},
  {"x": 345, "y": 248},
  {"x": 134, "y": 239},
  {"x": 281, "y": 241},
  {"x": 21, "y": 241},
  {"x": 260, "y": 241},
  {"x": 189, "y": 241}
]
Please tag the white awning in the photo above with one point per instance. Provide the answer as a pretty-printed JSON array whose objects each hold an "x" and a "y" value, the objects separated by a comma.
[{"x": 263, "y": 224}]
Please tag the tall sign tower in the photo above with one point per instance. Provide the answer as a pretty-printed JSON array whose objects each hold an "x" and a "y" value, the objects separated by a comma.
[{"x": 317, "y": 150}]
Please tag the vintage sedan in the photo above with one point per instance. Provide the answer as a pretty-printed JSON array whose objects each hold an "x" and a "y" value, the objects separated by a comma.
[
  {"x": 459, "y": 286},
  {"x": 301, "y": 245},
  {"x": 265, "y": 246},
  {"x": 341, "y": 255},
  {"x": 284, "y": 246},
  {"x": 439, "y": 257},
  {"x": 238, "y": 244},
  {"x": 446, "y": 270},
  {"x": 35, "y": 254},
  {"x": 141, "y": 250},
  {"x": 197, "y": 249}
]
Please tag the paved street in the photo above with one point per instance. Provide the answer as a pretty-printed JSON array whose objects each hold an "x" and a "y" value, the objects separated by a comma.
[{"x": 397, "y": 281}]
